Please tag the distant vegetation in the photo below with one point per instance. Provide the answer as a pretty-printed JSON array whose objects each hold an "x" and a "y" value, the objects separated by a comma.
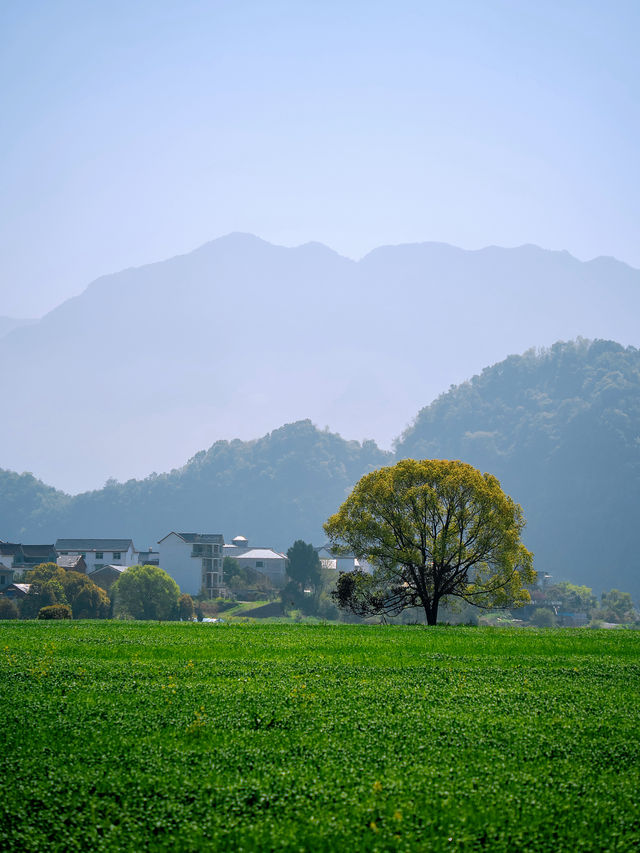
[
  {"x": 276, "y": 489},
  {"x": 560, "y": 429}
]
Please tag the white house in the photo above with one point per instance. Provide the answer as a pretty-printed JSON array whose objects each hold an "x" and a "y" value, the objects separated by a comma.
[
  {"x": 266, "y": 560},
  {"x": 99, "y": 552},
  {"x": 194, "y": 561},
  {"x": 340, "y": 562}
]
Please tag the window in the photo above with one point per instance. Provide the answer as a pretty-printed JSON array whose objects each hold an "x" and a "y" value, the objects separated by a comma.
[
  {"x": 259, "y": 564},
  {"x": 212, "y": 580},
  {"x": 1, "y": 580},
  {"x": 99, "y": 555},
  {"x": 117, "y": 555}
]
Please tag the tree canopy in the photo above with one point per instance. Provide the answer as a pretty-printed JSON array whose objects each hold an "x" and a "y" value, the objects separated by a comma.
[
  {"x": 146, "y": 592},
  {"x": 303, "y": 564},
  {"x": 304, "y": 570},
  {"x": 433, "y": 530},
  {"x": 51, "y": 584}
]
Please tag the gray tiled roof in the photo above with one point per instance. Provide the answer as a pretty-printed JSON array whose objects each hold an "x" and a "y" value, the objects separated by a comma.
[
  {"x": 10, "y": 548},
  {"x": 37, "y": 550},
  {"x": 68, "y": 561},
  {"x": 93, "y": 544}
]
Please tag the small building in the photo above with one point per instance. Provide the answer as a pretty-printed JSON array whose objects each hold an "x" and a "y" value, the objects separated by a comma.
[
  {"x": 194, "y": 561},
  {"x": 15, "y": 555},
  {"x": 11, "y": 554},
  {"x": 270, "y": 562},
  {"x": 6, "y": 577},
  {"x": 106, "y": 576},
  {"x": 17, "y": 590},
  {"x": 339, "y": 562},
  {"x": 34, "y": 555},
  {"x": 149, "y": 558},
  {"x": 99, "y": 552},
  {"x": 72, "y": 563}
]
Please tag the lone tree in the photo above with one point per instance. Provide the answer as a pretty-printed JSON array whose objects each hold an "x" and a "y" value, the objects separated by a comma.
[{"x": 432, "y": 530}]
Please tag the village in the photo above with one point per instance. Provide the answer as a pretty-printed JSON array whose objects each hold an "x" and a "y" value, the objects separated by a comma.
[
  {"x": 198, "y": 563},
  {"x": 193, "y": 560}
]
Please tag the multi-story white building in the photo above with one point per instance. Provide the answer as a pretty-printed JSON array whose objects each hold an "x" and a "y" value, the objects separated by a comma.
[
  {"x": 194, "y": 561},
  {"x": 99, "y": 552}
]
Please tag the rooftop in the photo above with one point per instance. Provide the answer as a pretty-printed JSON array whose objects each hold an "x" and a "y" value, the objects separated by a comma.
[
  {"x": 68, "y": 561},
  {"x": 261, "y": 554},
  {"x": 119, "y": 569},
  {"x": 93, "y": 544},
  {"x": 37, "y": 550},
  {"x": 202, "y": 538}
]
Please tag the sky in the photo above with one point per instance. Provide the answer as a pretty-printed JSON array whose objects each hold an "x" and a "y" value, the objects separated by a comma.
[{"x": 135, "y": 131}]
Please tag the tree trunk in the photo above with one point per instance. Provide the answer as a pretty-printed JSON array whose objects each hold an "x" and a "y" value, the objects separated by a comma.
[{"x": 431, "y": 612}]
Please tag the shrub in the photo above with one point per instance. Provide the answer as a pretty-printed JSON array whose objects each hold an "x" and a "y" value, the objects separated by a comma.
[
  {"x": 55, "y": 611},
  {"x": 8, "y": 609},
  {"x": 185, "y": 606},
  {"x": 544, "y": 617}
]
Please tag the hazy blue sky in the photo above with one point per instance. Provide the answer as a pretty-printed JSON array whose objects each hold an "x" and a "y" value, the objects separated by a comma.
[{"x": 133, "y": 131}]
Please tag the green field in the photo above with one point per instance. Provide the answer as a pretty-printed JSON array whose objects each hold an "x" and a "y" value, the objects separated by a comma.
[{"x": 131, "y": 736}]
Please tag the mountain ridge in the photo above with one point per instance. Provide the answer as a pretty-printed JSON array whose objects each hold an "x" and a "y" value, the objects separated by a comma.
[{"x": 241, "y": 335}]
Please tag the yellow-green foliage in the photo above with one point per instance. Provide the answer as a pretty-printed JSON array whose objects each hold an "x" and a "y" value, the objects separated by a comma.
[
  {"x": 433, "y": 529},
  {"x": 200, "y": 737}
]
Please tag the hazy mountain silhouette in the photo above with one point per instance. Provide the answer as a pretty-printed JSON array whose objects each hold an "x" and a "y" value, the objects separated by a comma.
[
  {"x": 150, "y": 364},
  {"x": 8, "y": 324}
]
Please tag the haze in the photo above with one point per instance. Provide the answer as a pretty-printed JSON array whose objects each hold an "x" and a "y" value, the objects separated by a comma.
[{"x": 135, "y": 132}]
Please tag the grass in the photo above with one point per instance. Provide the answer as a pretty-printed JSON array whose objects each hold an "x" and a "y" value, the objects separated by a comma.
[{"x": 189, "y": 737}]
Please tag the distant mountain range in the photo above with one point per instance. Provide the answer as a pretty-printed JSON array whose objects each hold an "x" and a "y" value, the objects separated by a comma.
[
  {"x": 240, "y": 336},
  {"x": 8, "y": 324},
  {"x": 559, "y": 427}
]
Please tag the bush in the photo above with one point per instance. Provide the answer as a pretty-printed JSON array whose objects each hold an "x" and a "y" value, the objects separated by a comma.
[
  {"x": 55, "y": 611},
  {"x": 185, "y": 606},
  {"x": 8, "y": 609},
  {"x": 51, "y": 584},
  {"x": 544, "y": 617}
]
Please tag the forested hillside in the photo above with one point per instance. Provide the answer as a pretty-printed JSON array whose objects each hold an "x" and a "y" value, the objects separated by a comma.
[
  {"x": 273, "y": 490},
  {"x": 561, "y": 430}
]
